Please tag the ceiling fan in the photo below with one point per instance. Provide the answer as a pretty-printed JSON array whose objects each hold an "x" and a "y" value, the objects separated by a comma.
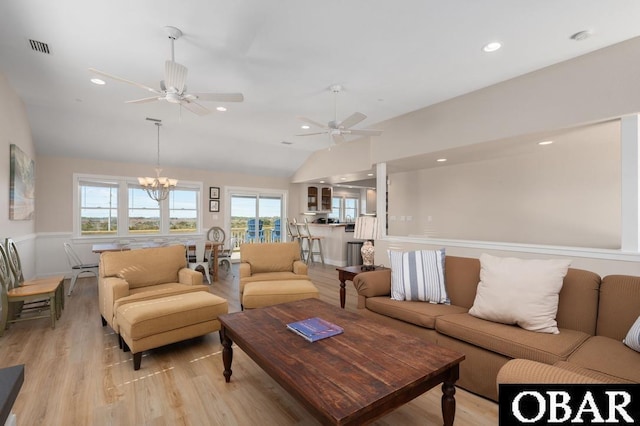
[
  {"x": 337, "y": 129},
  {"x": 173, "y": 88}
]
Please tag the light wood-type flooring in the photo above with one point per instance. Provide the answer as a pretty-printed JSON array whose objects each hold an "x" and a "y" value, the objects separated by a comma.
[{"x": 76, "y": 375}]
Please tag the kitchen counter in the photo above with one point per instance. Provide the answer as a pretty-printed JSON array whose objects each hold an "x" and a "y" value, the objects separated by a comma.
[{"x": 334, "y": 241}]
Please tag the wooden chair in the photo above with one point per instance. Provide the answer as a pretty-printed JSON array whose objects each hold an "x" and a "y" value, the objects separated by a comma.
[{"x": 49, "y": 291}]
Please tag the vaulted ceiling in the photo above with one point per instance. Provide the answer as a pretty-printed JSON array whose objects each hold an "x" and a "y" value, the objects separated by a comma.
[{"x": 391, "y": 57}]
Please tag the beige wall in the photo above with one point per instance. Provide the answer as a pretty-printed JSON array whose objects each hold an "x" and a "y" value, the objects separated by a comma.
[
  {"x": 565, "y": 194},
  {"x": 54, "y": 210},
  {"x": 14, "y": 129}
]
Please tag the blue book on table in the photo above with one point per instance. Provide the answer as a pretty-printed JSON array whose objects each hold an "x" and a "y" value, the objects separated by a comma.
[{"x": 314, "y": 329}]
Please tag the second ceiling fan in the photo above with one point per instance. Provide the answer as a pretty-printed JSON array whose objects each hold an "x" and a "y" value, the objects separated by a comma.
[
  {"x": 173, "y": 88},
  {"x": 338, "y": 129}
]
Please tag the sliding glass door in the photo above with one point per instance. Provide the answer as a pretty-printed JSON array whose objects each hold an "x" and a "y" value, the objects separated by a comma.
[{"x": 256, "y": 217}]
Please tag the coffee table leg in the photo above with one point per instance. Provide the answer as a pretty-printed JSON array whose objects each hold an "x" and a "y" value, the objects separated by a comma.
[
  {"x": 227, "y": 354},
  {"x": 448, "y": 402}
]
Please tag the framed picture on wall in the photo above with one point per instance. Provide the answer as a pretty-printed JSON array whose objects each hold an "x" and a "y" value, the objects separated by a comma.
[
  {"x": 214, "y": 192},
  {"x": 214, "y": 205}
]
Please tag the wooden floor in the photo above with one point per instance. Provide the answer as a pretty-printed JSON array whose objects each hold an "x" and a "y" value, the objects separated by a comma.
[{"x": 76, "y": 375}]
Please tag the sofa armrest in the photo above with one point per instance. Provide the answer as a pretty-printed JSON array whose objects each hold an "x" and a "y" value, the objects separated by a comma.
[
  {"x": 518, "y": 371},
  {"x": 244, "y": 270},
  {"x": 371, "y": 284},
  {"x": 189, "y": 276},
  {"x": 110, "y": 289},
  {"x": 300, "y": 268}
]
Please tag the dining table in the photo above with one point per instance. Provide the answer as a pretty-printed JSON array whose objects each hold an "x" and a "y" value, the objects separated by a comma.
[{"x": 189, "y": 245}]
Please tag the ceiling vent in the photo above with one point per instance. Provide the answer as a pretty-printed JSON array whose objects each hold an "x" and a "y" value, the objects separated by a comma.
[{"x": 39, "y": 46}]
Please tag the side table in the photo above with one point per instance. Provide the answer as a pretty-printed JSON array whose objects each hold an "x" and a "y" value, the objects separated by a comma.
[{"x": 348, "y": 273}]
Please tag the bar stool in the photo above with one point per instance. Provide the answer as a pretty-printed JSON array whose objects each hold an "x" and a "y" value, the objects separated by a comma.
[
  {"x": 303, "y": 239},
  {"x": 311, "y": 240}
]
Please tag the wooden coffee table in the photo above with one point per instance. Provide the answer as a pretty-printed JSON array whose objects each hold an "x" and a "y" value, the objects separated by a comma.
[{"x": 353, "y": 378}]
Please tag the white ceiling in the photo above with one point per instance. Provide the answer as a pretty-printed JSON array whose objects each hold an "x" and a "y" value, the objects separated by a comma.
[{"x": 392, "y": 57}]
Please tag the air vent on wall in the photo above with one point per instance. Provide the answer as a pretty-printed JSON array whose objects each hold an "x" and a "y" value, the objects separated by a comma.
[{"x": 39, "y": 46}]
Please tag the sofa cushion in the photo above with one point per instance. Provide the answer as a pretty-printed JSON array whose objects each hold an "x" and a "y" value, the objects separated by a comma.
[
  {"x": 591, "y": 374},
  {"x": 510, "y": 340},
  {"x": 632, "y": 339},
  {"x": 619, "y": 305},
  {"x": 520, "y": 291},
  {"x": 418, "y": 275},
  {"x": 418, "y": 313},
  {"x": 608, "y": 356},
  {"x": 270, "y": 257},
  {"x": 144, "y": 267}
]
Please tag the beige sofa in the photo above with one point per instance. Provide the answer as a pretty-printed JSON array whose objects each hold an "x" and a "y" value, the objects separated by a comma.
[
  {"x": 270, "y": 262},
  {"x": 593, "y": 316},
  {"x": 136, "y": 275}
]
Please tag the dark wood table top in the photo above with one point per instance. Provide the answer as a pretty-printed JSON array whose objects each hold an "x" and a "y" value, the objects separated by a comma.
[
  {"x": 11, "y": 379},
  {"x": 354, "y": 377}
]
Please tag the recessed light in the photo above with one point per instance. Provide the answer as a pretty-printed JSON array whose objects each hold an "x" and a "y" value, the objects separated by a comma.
[
  {"x": 343, "y": 178},
  {"x": 321, "y": 181},
  {"x": 98, "y": 81},
  {"x": 581, "y": 35},
  {"x": 545, "y": 143},
  {"x": 221, "y": 109},
  {"x": 441, "y": 160},
  {"x": 305, "y": 126},
  {"x": 492, "y": 47},
  {"x": 369, "y": 174}
]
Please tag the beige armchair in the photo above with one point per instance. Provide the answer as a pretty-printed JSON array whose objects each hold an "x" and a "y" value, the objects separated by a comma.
[
  {"x": 135, "y": 275},
  {"x": 270, "y": 262}
]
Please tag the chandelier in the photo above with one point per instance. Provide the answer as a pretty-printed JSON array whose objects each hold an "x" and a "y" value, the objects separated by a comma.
[{"x": 157, "y": 188}]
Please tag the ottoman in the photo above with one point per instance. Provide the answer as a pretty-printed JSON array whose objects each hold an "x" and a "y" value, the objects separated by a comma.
[
  {"x": 157, "y": 322},
  {"x": 258, "y": 294}
]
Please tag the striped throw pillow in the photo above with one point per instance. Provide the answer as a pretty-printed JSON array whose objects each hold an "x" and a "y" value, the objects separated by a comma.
[
  {"x": 418, "y": 275},
  {"x": 633, "y": 336}
]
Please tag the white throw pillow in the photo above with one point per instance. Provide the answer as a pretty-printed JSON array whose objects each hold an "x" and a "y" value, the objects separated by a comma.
[
  {"x": 418, "y": 275},
  {"x": 520, "y": 291},
  {"x": 633, "y": 336}
]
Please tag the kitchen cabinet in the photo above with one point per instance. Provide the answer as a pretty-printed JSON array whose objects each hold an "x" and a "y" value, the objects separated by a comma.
[
  {"x": 370, "y": 207},
  {"x": 316, "y": 198}
]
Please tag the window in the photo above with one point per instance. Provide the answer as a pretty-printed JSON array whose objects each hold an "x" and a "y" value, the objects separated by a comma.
[
  {"x": 350, "y": 208},
  {"x": 336, "y": 204},
  {"x": 183, "y": 211},
  {"x": 106, "y": 205},
  {"x": 344, "y": 208},
  {"x": 98, "y": 208}
]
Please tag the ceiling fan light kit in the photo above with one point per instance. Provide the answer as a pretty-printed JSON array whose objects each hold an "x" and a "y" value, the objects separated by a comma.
[
  {"x": 338, "y": 129},
  {"x": 173, "y": 88}
]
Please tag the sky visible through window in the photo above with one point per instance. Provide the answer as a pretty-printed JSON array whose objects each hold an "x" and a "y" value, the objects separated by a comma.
[{"x": 245, "y": 206}]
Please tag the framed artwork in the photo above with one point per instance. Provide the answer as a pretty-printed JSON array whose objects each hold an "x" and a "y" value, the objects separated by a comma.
[
  {"x": 214, "y": 192},
  {"x": 214, "y": 205},
  {"x": 22, "y": 185}
]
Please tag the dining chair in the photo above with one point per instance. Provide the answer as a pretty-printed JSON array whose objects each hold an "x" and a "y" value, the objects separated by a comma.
[
  {"x": 77, "y": 267},
  {"x": 44, "y": 293},
  {"x": 202, "y": 257},
  {"x": 224, "y": 256}
]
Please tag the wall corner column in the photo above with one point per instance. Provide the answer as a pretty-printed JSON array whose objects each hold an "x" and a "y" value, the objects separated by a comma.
[{"x": 630, "y": 179}]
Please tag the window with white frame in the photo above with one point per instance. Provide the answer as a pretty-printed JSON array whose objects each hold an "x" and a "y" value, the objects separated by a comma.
[
  {"x": 115, "y": 206},
  {"x": 344, "y": 208}
]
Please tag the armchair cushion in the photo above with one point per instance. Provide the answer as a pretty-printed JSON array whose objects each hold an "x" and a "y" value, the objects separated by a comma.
[
  {"x": 270, "y": 257},
  {"x": 145, "y": 267}
]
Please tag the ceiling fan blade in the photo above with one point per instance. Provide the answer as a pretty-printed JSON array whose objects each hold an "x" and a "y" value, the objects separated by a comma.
[
  {"x": 195, "y": 108},
  {"x": 143, "y": 100},
  {"x": 312, "y": 134},
  {"x": 219, "y": 97},
  {"x": 338, "y": 138},
  {"x": 312, "y": 122},
  {"x": 365, "y": 132},
  {"x": 124, "y": 80},
  {"x": 352, "y": 120},
  {"x": 175, "y": 75}
]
